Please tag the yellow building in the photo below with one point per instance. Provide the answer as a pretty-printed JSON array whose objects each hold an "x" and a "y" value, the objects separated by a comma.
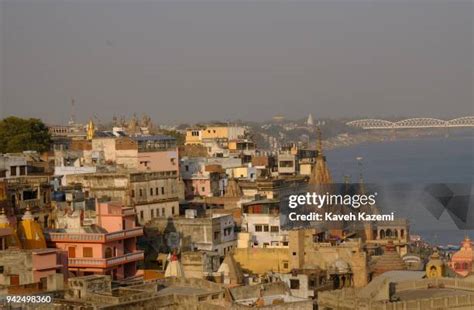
[
  {"x": 197, "y": 136},
  {"x": 216, "y": 132},
  {"x": 305, "y": 253},
  {"x": 194, "y": 136},
  {"x": 435, "y": 266},
  {"x": 30, "y": 232},
  {"x": 262, "y": 260}
]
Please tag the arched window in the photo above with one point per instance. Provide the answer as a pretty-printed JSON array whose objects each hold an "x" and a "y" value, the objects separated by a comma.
[
  {"x": 108, "y": 252},
  {"x": 388, "y": 233},
  {"x": 382, "y": 234},
  {"x": 402, "y": 233}
]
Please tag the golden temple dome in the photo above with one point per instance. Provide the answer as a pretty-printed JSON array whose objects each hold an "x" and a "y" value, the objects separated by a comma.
[{"x": 30, "y": 232}]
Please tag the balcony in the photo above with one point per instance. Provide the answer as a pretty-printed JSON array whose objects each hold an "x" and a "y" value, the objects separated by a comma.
[
  {"x": 94, "y": 237},
  {"x": 105, "y": 262}
]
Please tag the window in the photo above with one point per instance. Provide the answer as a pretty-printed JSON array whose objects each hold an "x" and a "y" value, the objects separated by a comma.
[
  {"x": 22, "y": 170},
  {"x": 294, "y": 284},
  {"x": 285, "y": 264},
  {"x": 265, "y": 228},
  {"x": 151, "y": 191},
  {"x": 258, "y": 228},
  {"x": 141, "y": 215},
  {"x": 1, "y": 269},
  {"x": 162, "y": 211},
  {"x": 162, "y": 190},
  {"x": 141, "y": 192},
  {"x": 203, "y": 189},
  {"x": 108, "y": 252},
  {"x": 172, "y": 210},
  {"x": 156, "y": 191},
  {"x": 286, "y": 164},
  {"x": 87, "y": 252},
  {"x": 217, "y": 235},
  {"x": 152, "y": 212},
  {"x": 133, "y": 193},
  {"x": 13, "y": 171},
  {"x": 186, "y": 168},
  {"x": 274, "y": 229}
]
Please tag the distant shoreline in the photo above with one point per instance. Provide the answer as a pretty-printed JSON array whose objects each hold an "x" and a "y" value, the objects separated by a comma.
[{"x": 377, "y": 136}]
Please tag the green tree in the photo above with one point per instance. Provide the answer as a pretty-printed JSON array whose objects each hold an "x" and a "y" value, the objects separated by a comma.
[{"x": 18, "y": 135}]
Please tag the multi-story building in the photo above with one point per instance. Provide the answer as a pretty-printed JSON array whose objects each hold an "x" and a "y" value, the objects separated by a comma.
[
  {"x": 293, "y": 160},
  {"x": 220, "y": 140},
  {"x": 152, "y": 194},
  {"x": 272, "y": 188},
  {"x": 198, "y": 135},
  {"x": 145, "y": 153},
  {"x": 12, "y": 165},
  {"x": 208, "y": 233},
  {"x": 241, "y": 147},
  {"x": 201, "y": 179},
  {"x": 33, "y": 192},
  {"x": 108, "y": 247},
  {"x": 261, "y": 224},
  {"x": 157, "y": 153},
  {"x": 37, "y": 269}
]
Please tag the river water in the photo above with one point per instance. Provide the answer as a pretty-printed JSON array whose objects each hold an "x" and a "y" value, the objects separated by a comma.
[{"x": 405, "y": 168}]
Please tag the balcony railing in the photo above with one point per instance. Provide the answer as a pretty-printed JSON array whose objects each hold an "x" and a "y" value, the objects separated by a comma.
[
  {"x": 105, "y": 262},
  {"x": 93, "y": 237}
]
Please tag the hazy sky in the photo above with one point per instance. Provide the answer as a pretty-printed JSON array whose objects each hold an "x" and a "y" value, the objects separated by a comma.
[{"x": 201, "y": 60}]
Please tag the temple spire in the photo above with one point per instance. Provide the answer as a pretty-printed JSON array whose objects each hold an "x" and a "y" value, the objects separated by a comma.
[
  {"x": 320, "y": 173},
  {"x": 319, "y": 142}
]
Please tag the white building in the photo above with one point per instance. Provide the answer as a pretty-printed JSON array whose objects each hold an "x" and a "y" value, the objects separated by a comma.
[
  {"x": 261, "y": 221},
  {"x": 12, "y": 165}
]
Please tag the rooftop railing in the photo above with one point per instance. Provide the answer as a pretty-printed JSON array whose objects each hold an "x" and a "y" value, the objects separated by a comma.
[{"x": 93, "y": 237}]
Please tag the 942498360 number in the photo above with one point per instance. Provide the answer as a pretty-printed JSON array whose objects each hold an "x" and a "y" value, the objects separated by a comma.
[{"x": 29, "y": 299}]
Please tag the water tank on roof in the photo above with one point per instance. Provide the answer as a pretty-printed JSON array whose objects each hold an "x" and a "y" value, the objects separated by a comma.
[
  {"x": 190, "y": 213},
  {"x": 59, "y": 196}
]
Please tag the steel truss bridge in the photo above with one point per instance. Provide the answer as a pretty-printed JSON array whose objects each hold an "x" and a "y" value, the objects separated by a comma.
[{"x": 423, "y": 122}]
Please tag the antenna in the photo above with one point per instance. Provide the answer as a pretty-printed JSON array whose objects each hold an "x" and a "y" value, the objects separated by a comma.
[
  {"x": 72, "y": 120},
  {"x": 360, "y": 165}
]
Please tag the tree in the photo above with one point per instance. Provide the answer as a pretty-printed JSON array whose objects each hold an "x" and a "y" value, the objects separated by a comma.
[{"x": 18, "y": 135}]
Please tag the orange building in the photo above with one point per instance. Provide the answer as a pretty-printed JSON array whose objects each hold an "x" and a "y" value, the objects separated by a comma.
[
  {"x": 461, "y": 262},
  {"x": 109, "y": 247}
]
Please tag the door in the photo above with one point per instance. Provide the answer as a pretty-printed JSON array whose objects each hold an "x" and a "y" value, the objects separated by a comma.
[
  {"x": 72, "y": 252},
  {"x": 14, "y": 280}
]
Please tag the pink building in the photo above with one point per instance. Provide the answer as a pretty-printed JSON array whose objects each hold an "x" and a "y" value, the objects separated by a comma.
[
  {"x": 157, "y": 153},
  {"x": 31, "y": 269},
  {"x": 205, "y": 183},
  {"x": 462, "y": 261},
  {"x": 109, "y": 247}
]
